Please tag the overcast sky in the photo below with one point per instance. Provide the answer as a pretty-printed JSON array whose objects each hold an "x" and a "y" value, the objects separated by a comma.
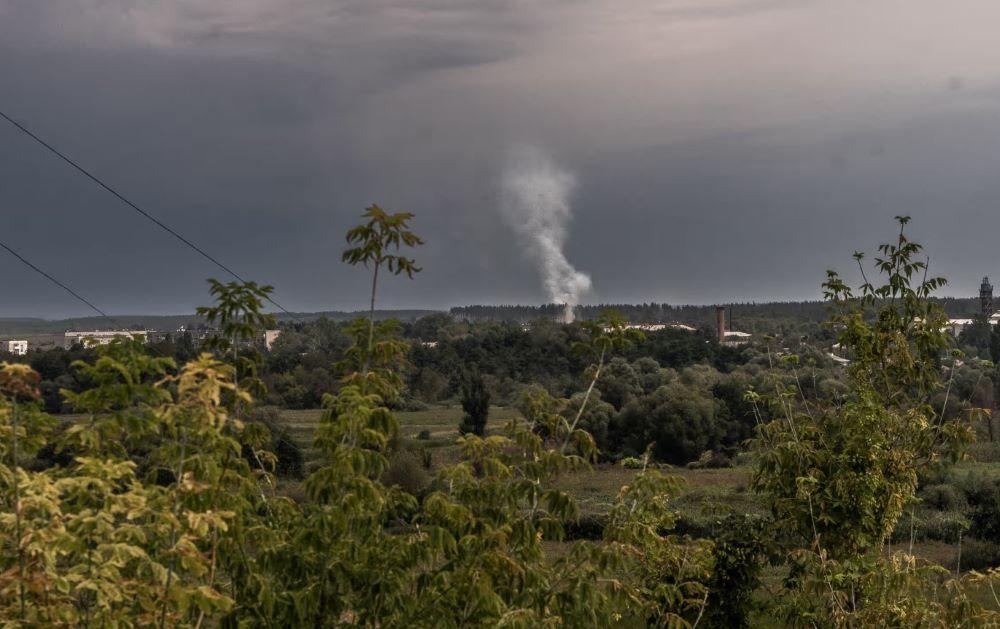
[{"x": 723, "y": 150}]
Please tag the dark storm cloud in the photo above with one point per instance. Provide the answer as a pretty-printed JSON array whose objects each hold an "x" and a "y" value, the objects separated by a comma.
[{"x": 726, "y": 149}]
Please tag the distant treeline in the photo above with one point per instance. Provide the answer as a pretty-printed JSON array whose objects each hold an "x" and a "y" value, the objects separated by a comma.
[
  {"x": 167, "y": 323},
  {"x": 743, "y": 315},
  {"x": 737, "y": 314}
]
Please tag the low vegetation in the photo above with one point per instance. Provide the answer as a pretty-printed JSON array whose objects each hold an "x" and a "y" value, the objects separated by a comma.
[{"x": 579, "y": 475}]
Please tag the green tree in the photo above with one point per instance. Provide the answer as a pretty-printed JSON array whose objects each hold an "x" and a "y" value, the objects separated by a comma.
[
  {"x": 839, "y": 476},
  {"x": 95, "y": 544},
  {"x": 375, "y": 242},
  {"x": 238, "y": 312},
  {"x": 475, "y": 405},
  {"x": 978, "y": 335},
  {"x": 608, "y": 333}
]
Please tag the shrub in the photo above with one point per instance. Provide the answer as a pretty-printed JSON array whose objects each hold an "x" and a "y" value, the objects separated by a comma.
[
  {"x": 985, "y": 516},
  {"x": 944, "y": 526},
  {"x": 739, "y": 552},
  {"x": 424, "y": 435},
  {"x": 589, "y": 527},
  {"x": 710, "y": 459},
  {"x": 631, "y": 463},
  {"x": 944, "y": 497},
  {"x": 978, "y": 554},
  {"x": 407, "y": 403},
  {"x": 985, "y": 452},
  {"x": 289, "y": 460},
  {"x": 407, "y": 472}
]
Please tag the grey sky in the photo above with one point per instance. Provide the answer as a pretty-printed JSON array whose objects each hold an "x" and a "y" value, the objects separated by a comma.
[{"x": 724, "y": 150}]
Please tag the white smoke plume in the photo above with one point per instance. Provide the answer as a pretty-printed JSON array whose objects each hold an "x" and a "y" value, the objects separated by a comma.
[{"x": 536, "y": 195}]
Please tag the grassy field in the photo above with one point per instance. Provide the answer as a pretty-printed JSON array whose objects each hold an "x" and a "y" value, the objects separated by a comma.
[{"x": 706, "y": 494}]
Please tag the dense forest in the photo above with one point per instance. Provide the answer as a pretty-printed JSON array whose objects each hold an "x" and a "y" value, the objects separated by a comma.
[
  {"x": 739, "y": 315},
  {"x": 145, "y": 484}
]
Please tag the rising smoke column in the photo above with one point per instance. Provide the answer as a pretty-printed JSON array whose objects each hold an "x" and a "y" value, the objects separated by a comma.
[{"x": 535, "y": 202}]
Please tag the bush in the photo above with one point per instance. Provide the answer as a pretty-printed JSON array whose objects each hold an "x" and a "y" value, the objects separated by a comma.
[
  {"x": 978, "y": 555},
  {"x": 739, "y": 551},
  {"x": 631, "y": 463},
  {"x": 944, "y": 497},
  {"x": 406, "y": 471},
  {"x": 710, "y": 460},
  {"x": 424, "y": 435},
  {"x": 985, "y": 517},
  {"x": 408, "y": 404},
  {"x": 589, "y": 527},
  {"x": 290, "y": 461},
  {"x": 681, "y": 420},
  {"x": 985, "y": 452},
  {"x": 944, "y": 526}
]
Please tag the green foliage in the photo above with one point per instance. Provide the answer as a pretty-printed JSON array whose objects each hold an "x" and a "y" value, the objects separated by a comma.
[
  {"x": 475, "y": 405},
  {"x": 125, "y": 390},
  {"x": 94, "y": 544},
  {"x": 238, "y": 312},
  {"x": 287, "y": 453},
  {"x": 378, "y": 236},
  {"x": 159, "y": 506},
  {"x": 880, "y": 591},
  {"x": 596, "y": 418},
  {"x": 839, "y": 476},
  {"x": 678, "y": 420},
  {"x": 667, "y": 575},
  {"x": 739, "y": 554},
  {"x": 607, "y": 333},
  {"x": 374, "y": 242}
]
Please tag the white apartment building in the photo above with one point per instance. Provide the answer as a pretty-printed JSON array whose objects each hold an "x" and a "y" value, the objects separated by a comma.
[
  {"x": 100, "y": 337},
  {"x": 270, "y": 336},
  {"x": 16, "y": 347}
]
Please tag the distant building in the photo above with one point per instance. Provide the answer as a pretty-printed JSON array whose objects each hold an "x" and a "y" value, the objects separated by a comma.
[
  {"x": 646, "y": 327},
  {"x": 840, "y": 360},
  {"x": 102, "y": 337},
  {"x": 986, "y": 297},
  {"x": 728, "y": 337},
  {"x": 957, "y": 326},
  {"x": 656, "y": 327},
  {"x": 732, "y": 337},
  {"x": 682, "y": 326},
  {"x": 15, "y": 347},
  {"x": 270, "y": 336}
]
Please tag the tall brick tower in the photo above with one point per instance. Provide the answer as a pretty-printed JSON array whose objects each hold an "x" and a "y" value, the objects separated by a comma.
[{"x": 986, "y": 297}]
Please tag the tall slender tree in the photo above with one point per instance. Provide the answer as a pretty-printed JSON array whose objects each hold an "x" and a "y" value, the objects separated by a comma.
[{"x": 374, "y": 243}]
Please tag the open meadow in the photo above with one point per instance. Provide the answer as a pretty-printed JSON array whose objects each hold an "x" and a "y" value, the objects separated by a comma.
[{"x": 706, "y": 495}]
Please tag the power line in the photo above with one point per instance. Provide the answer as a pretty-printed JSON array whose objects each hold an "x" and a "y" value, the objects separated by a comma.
[
  {"x": 60, "y": 284},
  {"x": 132, "y": 205}
]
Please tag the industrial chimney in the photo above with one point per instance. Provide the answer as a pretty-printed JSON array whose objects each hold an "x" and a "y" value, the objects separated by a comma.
[{"x": 720, "y": 322}]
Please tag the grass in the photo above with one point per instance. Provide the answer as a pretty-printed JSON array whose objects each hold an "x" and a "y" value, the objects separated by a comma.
[
  {"x": 703, "y": 491},
  {"x": 705, "y": 494}
]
